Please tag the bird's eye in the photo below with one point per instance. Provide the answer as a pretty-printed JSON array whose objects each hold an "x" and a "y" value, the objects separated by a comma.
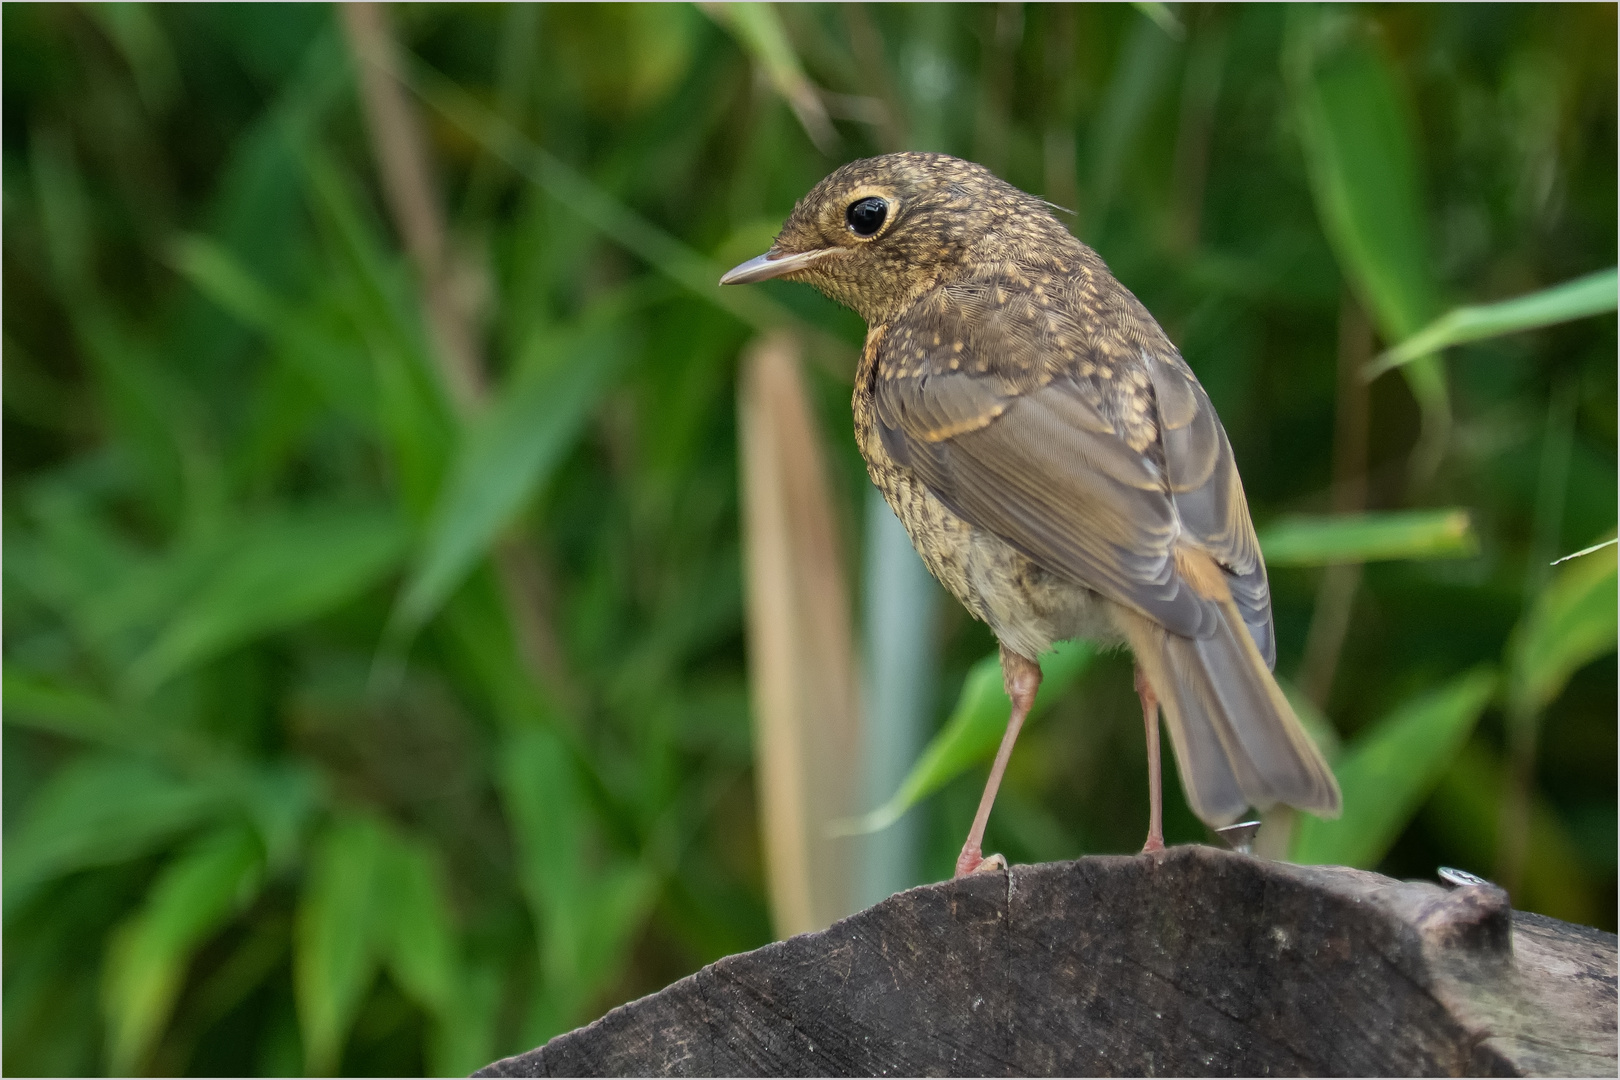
[{"x": 866, "y": 216}]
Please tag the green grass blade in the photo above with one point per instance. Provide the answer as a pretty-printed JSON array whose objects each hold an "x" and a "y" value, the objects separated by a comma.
[
  {"x": 759, "y": 30},
  {"x": 661, "y": 251},
  {"x": 337, "y": 369},
  {"x": 1361, "y": 153},
  {"x": 371, "y": 287},
  {"x": 974, "y": 729},
  {"x": 420, "y": 947},
  {"x": 139, "y": 37},
  {"x": 1585, "y": 551},
  {"x": 64, "y": 215},
  {"x": 1144, "y": 74},
  {"x": 218, "y": 275},
  {"x": 280, "y": 572},
  {"x": 543, "y": 800},
  {"x": 511, "y": 452},
  {"x": 587, "y": 916},
  {"x": 100, "y": 811},
  {"x": 1387, "y": 772},
  {"x": 1355, "y": 538},
  {"x": 335, "y": 947},
  {"x": 37, "y": 701},
  {"x": 1570, "y": 624},
  {"x": 1362, "y": 158},
  {"x": 1590, "y": 295},
  {"x": 147, "y": 957},
  {"x": 1162, "y": 17}
]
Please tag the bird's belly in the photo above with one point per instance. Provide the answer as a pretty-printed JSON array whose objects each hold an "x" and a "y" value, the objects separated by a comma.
[{"x": 1028, "y": 608}]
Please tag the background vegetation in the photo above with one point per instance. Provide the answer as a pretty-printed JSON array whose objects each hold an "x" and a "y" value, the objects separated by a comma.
[{"x": 375, "y": 679}]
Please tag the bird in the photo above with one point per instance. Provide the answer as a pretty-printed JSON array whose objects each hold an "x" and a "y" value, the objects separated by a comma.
[{"x": 1057, "y": 465}]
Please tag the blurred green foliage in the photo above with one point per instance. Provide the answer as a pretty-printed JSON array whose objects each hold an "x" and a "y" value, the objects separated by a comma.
[{"x": 284, "y": 789}]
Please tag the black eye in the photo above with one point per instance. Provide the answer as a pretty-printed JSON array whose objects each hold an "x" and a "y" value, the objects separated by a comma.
[{"x": 866, "y": 216}]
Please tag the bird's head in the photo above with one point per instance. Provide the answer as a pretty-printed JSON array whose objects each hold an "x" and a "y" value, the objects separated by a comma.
[{"x": 879, "y": 232}]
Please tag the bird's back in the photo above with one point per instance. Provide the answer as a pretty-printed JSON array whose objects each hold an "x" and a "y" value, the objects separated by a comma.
[{"x": 1037, "y": 382}]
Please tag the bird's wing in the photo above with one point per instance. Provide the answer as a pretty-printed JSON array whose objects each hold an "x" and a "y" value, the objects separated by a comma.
[
  {"x": 1097, "y": 479},
  {"x": 1207, "y": 493}
]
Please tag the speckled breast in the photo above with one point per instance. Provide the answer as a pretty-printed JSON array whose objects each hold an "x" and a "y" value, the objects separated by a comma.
[{"x": 1028, "y": 608}]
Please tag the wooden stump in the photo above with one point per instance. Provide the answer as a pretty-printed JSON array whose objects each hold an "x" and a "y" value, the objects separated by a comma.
[{"x": 1194, "y": 961}]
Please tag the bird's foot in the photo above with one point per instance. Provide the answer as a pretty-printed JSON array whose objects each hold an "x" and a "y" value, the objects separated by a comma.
[
  {"x": 1154, "y": 843},
  {"x": 973, "y": 862}
]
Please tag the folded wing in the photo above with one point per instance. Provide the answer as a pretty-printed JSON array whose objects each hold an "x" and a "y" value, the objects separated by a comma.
[{"x": 1003, "y": 425}]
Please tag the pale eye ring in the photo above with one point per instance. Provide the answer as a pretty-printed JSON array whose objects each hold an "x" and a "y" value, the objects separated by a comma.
[{"x": 866, "y": 216}]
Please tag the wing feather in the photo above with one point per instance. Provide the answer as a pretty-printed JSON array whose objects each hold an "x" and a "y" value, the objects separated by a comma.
[{"x": 1013, "y": 439}]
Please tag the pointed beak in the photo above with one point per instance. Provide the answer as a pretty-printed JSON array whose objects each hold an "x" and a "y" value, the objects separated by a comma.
[{"x": 768, "y": 265}]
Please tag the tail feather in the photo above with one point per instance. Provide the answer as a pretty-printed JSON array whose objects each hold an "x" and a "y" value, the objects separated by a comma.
[{"x": 1237, "y": 741}]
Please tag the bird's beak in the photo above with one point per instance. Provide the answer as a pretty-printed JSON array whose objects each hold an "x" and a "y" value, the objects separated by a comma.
[{"x": 771, "y": 265}]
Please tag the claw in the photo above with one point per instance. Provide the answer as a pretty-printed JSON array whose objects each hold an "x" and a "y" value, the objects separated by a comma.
[
  {"x": 967, "y": 865},
  {"x": 995, "y": 864}
]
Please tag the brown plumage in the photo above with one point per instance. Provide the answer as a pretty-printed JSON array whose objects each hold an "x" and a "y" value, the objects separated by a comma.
[{"x": 1056, "y": 463}]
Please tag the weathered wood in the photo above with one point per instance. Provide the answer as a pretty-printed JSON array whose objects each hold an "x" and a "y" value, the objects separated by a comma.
[{"x": 1192, "y": 962}]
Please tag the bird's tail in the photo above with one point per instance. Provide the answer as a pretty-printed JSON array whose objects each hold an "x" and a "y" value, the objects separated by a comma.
[{"x": 1237, "y": 741}]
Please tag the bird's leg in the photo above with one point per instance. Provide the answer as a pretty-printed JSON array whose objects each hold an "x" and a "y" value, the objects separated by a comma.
[
  {"x": 1022, "y": 677},
  {"x": 1150, "y": 720}
]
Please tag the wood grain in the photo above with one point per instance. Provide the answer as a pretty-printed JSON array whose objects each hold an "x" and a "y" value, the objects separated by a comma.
[{"x": 1192, "y": 962}]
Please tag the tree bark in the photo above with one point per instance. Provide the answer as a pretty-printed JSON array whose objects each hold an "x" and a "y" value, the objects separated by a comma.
[{"x": 1193, "y": 961}]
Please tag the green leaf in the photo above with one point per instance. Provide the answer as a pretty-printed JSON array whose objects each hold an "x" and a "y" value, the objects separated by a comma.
[
  {"x": 1590, "y": 295},
  {"x": 974, "y": 729},
  {"x": 1356, "y": 538},
  {"x": 376, "y": 897},
  {"x": 665, "y": 253},
  {"x": 1591, "y": 549},
  {"x": 147, "y": 957},
  {"x": 37, "y": 701},
  {"x": 280, "y": 798},
  {"x": 759, "y": 30},
  {"x": 1162, "y": 17},
  {"x": 420, "y": 943},
  {"x": 1570, "y": 624},
  {"x": 218, "y": 275},
  {"x": 281, "y": 571},
  {"x": 1144, "y": 72},
  {"x": 544, "y": 803},
  {"x": 511, "y": 452},
  {"x": 335, "y": 367},
  {"x": 138, "y": 35},
  {"x": 99, "y": 811},
  {"x": 80, "y": 565},
  {"x": 335, "y": 945},
  {"x": 64, "y": 212},
  {"x": 1387, "y": 772},
  {"x": 277, "y": 797},
  {"x": 371, "y": 287},
  {"x": 468, "y": 1042},
  {"x": 586, "y": 918},
  {"x": 1361, "y": 153}
]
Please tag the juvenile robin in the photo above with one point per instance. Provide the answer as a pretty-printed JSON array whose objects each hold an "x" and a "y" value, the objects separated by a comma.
[{"x": 1057, "y": 465}]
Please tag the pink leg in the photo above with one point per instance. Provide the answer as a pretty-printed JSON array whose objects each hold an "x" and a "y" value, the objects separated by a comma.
[
  {"x": 1022, "y": 678},
  {"x": 1150, "y": 720}
]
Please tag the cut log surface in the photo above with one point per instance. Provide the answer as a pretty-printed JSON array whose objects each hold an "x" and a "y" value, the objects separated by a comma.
[{"x": 1194, "y": 961}]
